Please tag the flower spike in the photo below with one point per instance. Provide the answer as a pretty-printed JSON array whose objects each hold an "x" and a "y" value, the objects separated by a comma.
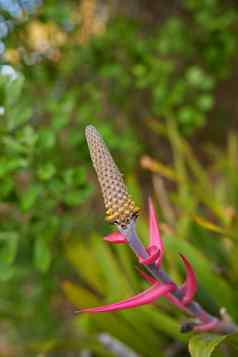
[
  {"x": 122, "y": 211},
  {"x": 116, "y": 237},
  {"x": 190, "y": 285},
  {"x": 120, "y": 208},
  {"x": 146, "y": 297},
  {"x": 155, "y": 248}
]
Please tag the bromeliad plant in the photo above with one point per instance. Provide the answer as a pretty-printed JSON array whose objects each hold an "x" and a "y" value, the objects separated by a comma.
[{"x": 122, "y": 211}]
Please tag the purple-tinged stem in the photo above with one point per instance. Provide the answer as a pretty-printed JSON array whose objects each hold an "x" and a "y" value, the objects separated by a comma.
[{"x": 194, "y": 308}]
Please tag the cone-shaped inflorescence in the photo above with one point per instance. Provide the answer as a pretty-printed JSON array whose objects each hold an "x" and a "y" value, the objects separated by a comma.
[{"x": 120, "y": 209}]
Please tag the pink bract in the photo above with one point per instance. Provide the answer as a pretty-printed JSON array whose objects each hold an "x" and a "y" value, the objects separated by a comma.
[
  {"x": 190, "y": 285},
  {"x": 168, "y": 296},
  {"x": 155, "y": 248},
  {"x": 146, "y": 297},
  {"x": 116, "y": 237}
]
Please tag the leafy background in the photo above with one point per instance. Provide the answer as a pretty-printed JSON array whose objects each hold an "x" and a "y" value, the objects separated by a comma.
[{"x": 158, "y": 80}]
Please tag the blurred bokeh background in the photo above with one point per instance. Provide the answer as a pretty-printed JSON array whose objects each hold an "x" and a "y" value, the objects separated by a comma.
[{"x": 158, "y": 79}]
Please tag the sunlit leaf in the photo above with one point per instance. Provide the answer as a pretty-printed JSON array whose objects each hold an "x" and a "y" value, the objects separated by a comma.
[
  {"x": 206, "y": 345},
  {"x": 208, "y": 225}
]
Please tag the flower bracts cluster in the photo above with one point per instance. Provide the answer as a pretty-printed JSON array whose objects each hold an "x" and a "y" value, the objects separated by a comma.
[
  {"x": 121, "y": 210},
  {"x": 157, "y": 289}
]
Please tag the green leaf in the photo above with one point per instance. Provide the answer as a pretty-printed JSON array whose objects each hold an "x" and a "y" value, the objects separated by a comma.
[
  {"x": 75, "y": 176},
  {"x": 29, "y": 197},
  {"x": 74, "y": 197},
  {"x": 6, "y": 271},
  {"x": 79, "y": 296},
  {"x": 8, "y": 244},
  {"x": 14, "y": 89},
  {"x": 203, "y": 345},
  {"x": 115, "y": 282},
  {"x": 46, "y": 171},
  {"x": 46, "y": 139},
  {"x": 205, "y": 102},
  {"x": 84, "y": 261},
  {"x": 42, "y": 255},
  {"x": 8, "y": 165},
  {"x": 28, "y": 137}
]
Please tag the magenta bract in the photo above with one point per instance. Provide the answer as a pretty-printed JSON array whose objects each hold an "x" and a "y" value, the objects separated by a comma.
[
  {"x": 155, "y": 252},
  {"x": 168, "y": 296},
  {"x": 146, "y": 297},
  {"x": 116, "y": 237},
  {"x": 155, "y": 248},
  {"x": 190, "y": 285}
]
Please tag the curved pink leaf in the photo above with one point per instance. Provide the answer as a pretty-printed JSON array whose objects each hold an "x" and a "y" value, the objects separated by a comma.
[
  {"x": 155, "y": 239},
  {"x": 116, "y": 237},
  {"x": 190, "y": 285},
  {"x": 175, "y": 301},
  {"x": 146, "y": 297}
]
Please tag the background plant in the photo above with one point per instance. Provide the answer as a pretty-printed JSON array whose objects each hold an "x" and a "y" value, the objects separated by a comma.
[{"x": 144, "y": 80}]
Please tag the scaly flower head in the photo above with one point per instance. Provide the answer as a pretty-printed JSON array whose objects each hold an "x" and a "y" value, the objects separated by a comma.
[{"x": 120, "y": 208}]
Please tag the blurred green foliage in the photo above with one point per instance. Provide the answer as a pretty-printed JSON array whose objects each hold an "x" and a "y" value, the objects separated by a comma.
[{"x": 145, "y": 87}]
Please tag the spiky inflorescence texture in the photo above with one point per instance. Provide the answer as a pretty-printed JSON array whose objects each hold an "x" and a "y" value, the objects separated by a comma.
[{"x": 120, "y": 208}]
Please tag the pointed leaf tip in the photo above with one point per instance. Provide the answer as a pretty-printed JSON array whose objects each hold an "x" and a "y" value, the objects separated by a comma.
[
  {"x": 155, "y": 239},
  {"x": 190, "y": 285},
  {"x": 155, "y": 248},
  {"x": 115, "y": 237},
  {"x": 146, "y": 297}
]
